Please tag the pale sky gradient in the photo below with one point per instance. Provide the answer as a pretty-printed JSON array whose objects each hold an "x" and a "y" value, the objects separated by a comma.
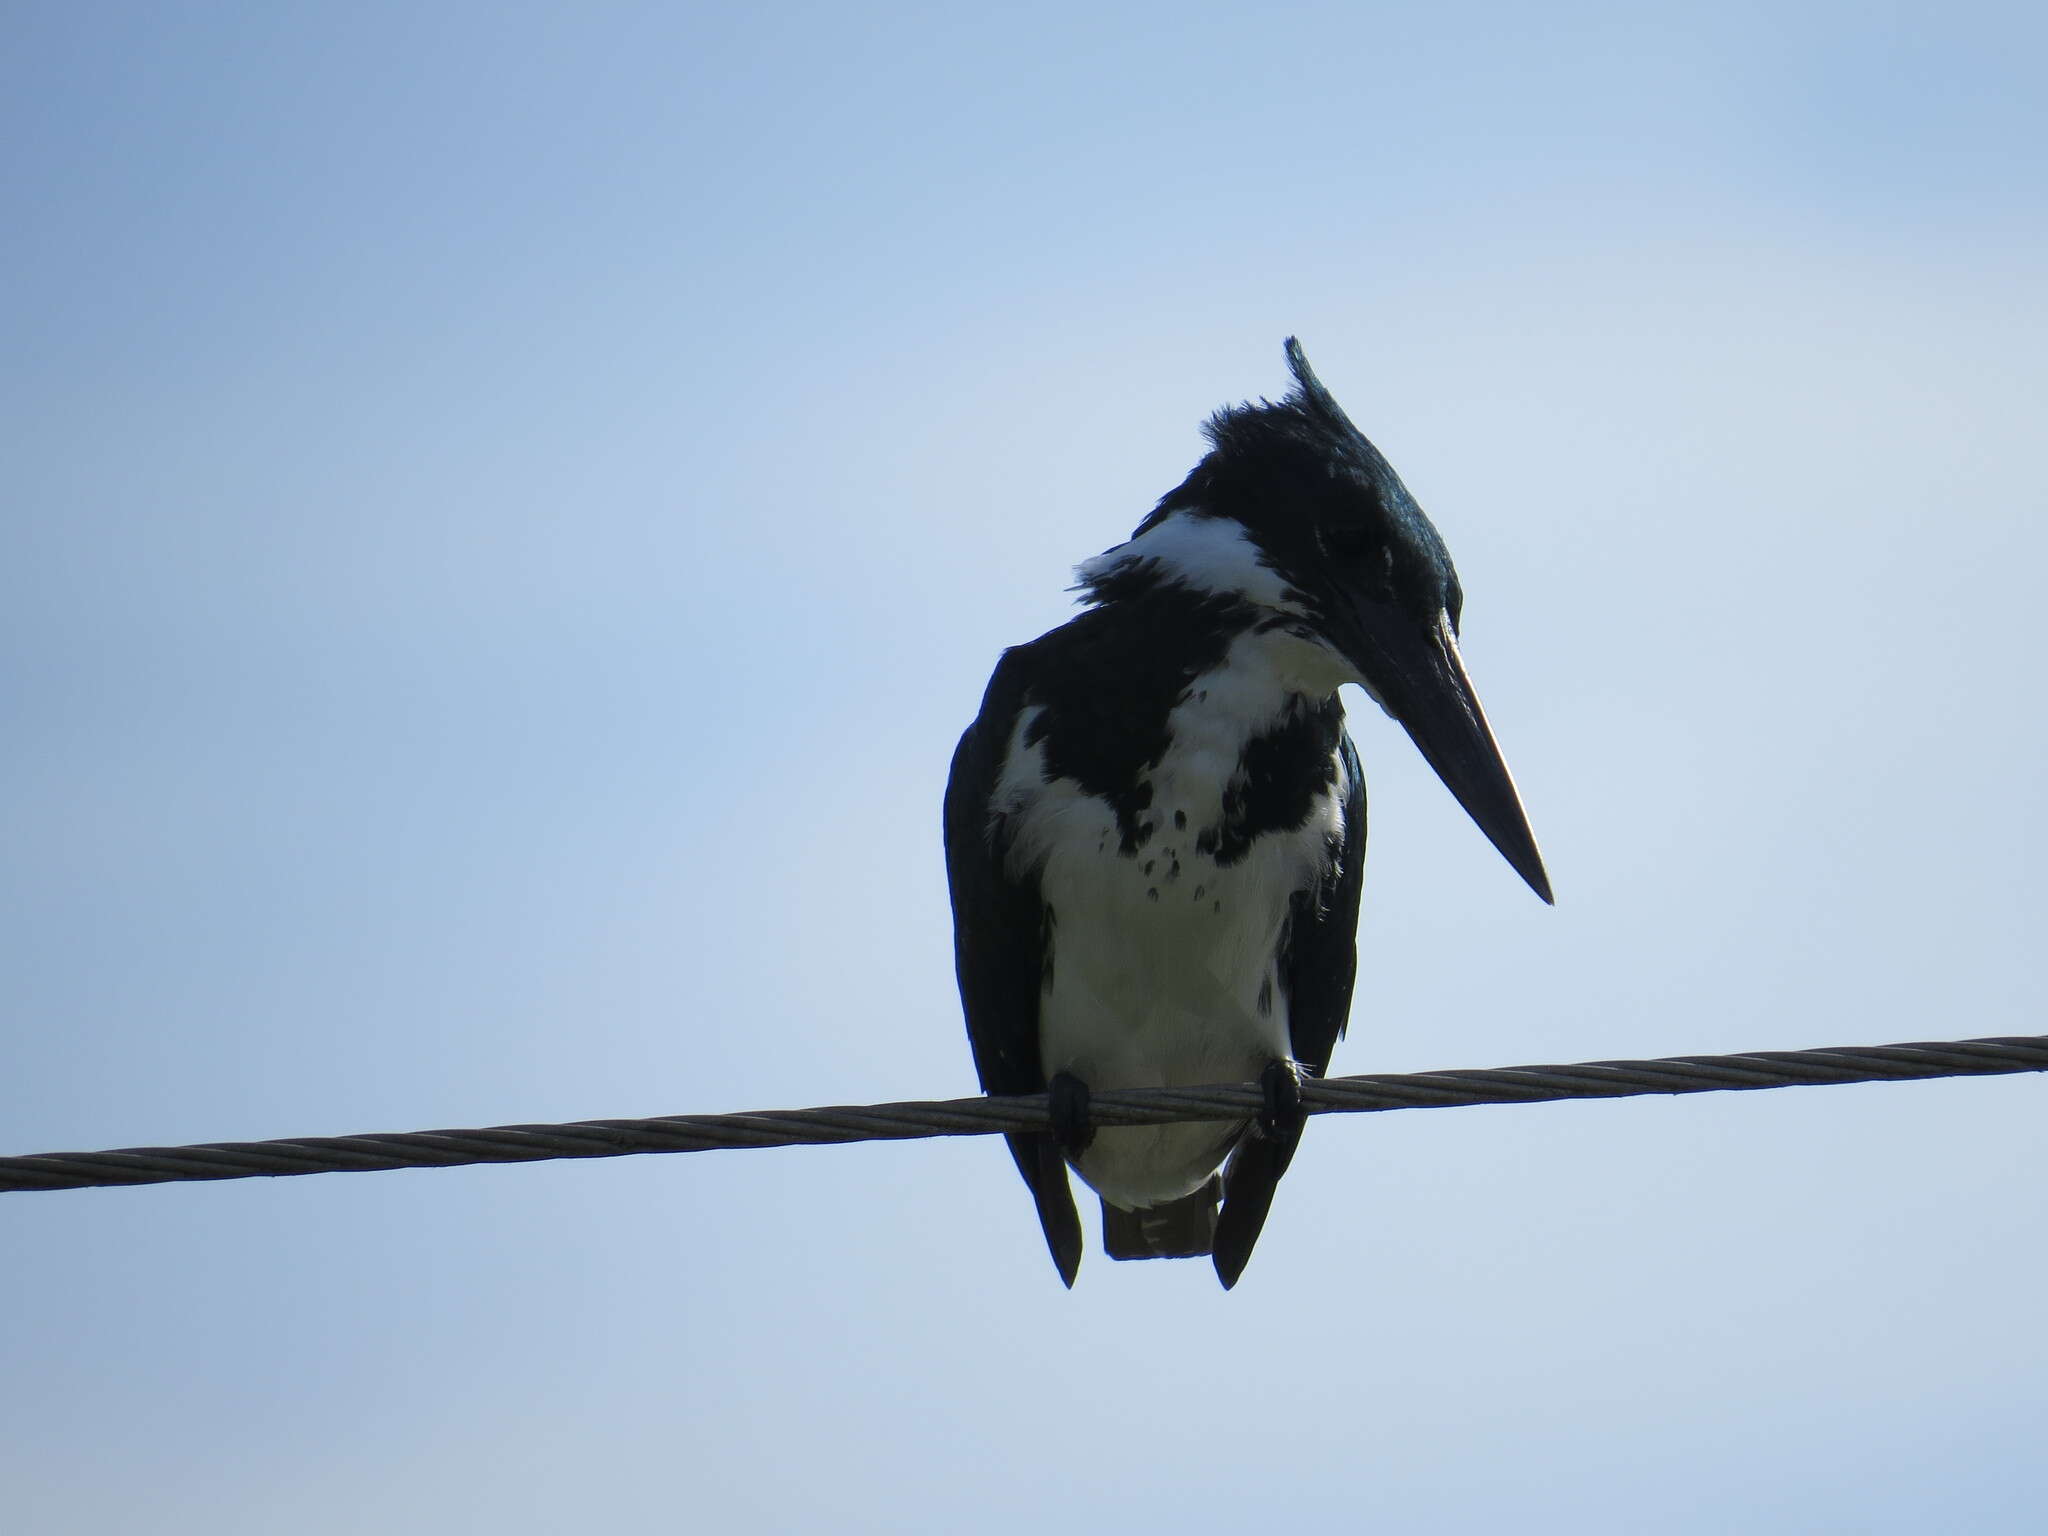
[{"x": 505, "y": 508}]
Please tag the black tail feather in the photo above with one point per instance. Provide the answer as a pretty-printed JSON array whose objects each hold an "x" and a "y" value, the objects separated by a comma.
[
  {"x": 1255, "y": 1170},
  {"x": 1180, "y": 1229},
  {"x": 1045, "y": 1169},
  {"x": 1253, "y": 1175}
]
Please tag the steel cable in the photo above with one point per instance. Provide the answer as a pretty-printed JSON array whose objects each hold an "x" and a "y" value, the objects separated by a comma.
[{"x": 987, "y": 1116}]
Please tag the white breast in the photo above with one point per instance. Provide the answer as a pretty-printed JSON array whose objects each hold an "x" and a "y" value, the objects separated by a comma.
[{"x": 1163, "y": 966}]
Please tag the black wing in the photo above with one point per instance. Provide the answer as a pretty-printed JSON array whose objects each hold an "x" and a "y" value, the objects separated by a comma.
[
  {"x": 999, "y": 951},
  {"x": 1320, "y": 960},
  {"x": 1318, "y": 963}
]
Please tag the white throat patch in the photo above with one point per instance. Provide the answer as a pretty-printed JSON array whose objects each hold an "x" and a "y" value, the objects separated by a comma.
[{"x": 1209, "y": 554}]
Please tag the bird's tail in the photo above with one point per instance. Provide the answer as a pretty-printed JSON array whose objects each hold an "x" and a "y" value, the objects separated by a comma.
[{"x": 1180, "y": 1229}]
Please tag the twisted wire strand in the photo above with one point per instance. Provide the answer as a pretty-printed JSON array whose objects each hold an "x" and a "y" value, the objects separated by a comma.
[{"x": 1373, "y": 1093}]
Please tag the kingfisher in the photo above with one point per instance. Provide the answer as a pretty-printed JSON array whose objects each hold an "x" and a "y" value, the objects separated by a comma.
[{"x": 1155, "y": 828}]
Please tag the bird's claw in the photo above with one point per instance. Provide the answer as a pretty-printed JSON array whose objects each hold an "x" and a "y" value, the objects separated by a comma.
[
  {"x": 1072, "y": 1127},
  {"x": 1283, "y": 1116}
]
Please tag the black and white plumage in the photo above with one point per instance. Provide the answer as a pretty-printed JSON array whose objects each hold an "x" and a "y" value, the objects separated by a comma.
[{"x": 1155, "y": 828}]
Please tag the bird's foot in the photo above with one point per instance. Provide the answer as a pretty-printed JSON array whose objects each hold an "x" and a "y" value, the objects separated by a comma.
[
  {"x": 1072, "y": 1127},
  {"x": 1282, "y": 1117}
]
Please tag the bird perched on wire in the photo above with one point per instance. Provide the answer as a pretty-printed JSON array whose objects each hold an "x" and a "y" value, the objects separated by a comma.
[{"x": 1155, "y": 828}]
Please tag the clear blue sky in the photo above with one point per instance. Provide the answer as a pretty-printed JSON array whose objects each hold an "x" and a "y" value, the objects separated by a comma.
[{"x": 505, "y": 508}]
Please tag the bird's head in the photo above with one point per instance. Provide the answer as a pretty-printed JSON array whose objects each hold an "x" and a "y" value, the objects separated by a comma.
[{"x": 1294, "y": 514}]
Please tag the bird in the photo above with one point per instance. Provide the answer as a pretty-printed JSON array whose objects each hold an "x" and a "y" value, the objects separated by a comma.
[{"x": 1155, "y": 826}]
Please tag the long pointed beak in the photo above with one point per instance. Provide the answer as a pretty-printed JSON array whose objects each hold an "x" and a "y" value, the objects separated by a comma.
[{"x": 1415, "y": 671}]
